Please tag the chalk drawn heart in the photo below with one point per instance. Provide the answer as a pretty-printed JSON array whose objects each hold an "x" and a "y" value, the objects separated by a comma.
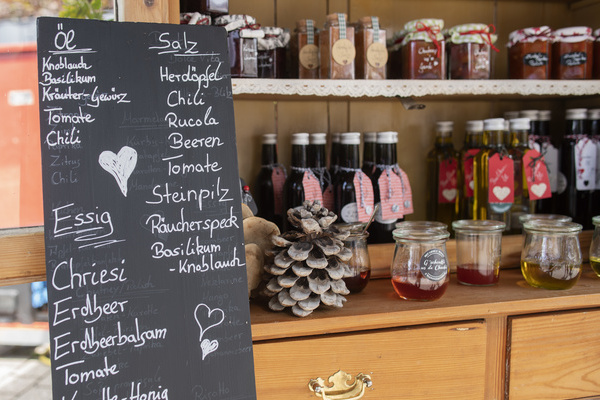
[
  {"x": 472, "y": 185},
  {"x": 449, "y": 194},
  {"x": 501, "y": 192},
  {"x": 120, "y": 166},
  {"x": 538, "y": 189},
  {"x": 207, "y": 318},
  {"x": 208, "y": 346}
]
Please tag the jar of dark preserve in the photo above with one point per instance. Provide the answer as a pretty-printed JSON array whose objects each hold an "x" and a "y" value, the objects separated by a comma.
[
  {"x": 469, "y": 51},
  {"x": 272, "y": 52},
  {"x": 336, "y": 46},
  {"x": 394, "y": 47},
  {"x": 572, "y": 53},
  {"x": 423, "y": 50},
  {"x": 529, "y": 53},
  {"x": 596, "y": 63},
  {"x": 371, "y": 52},
  {"x": 242, "y": 35}
]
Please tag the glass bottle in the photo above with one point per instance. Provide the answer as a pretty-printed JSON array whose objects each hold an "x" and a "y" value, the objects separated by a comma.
[
  {"x": 360, "y": 263},
  {"x": 578, "y": 170},
  {"x": 519, "y": 146},
  {"x": 305, "y": 50},
  {"x": 595, "y": 246},
  {"x": 420, "y": 268},
  {"x": 369, "y": 153},
  {"x": 493, "y": 187},
  {"x": 544, "y": 145},
  {"x": 508, "y": 115},
  {"x": 387, "y": 190},
  {"x": 371, "y": 51},
  {"x": 336, "y": 46},
  {"x": 352, "y": 188},
  {"x": 594, "y": 129},
  {"x": 551, "y": 255},
  {"x": 534, "y": 125},
  {"x": 442, "y": 172},
  {"x": 472, "y": 145},
  {"x": 270, "y": 181},
  {"x": 334, "y": 156},
  {"x": 316, "y": 162}
]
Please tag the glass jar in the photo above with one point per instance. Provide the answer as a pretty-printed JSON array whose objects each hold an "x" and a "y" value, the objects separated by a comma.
[
  {"x": 572, "y": 53},
  {"x": 529, "y": 53},
  {"x": 595, "y": 246},
  {"x": 272, "y": 52},
  {"x": 371, "y": 53},
  {"x": 360, "y": 263},
  {"x": 544, "y": 217},
  {"x": 336, "y": 46},
  {"x": 420, "y": 268},
  {"x": 435, "y": 225},
  {"x": 596, "y": 63},
  {"x": 478, "y": 251},
  {"x": 551, "y": 256},
  {"x": 469, "y": 49},
  {"x": 242, "y": 35},
  {"x": 305, "y": 50},
  {"x": 394, "y": 65},
  {"x": 423, "y": 50}
]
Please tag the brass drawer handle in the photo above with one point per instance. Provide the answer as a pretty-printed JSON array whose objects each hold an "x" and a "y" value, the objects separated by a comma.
[{"x": 341, "y": 388}]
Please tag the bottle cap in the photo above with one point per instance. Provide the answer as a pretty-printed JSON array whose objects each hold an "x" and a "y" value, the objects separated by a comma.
[
  {"x": 444, "y": 126},
  {"x": 474, "y": 126},
  {"x": 533, "y": 115},
  {"x": 335, "y": 137},
  {"x": 350, "y": 138},
  {"x": 493, "y": 124},
  {"x": 370, "y": 137},
  {"x": 545, "y": 115},
  {"x": 511, "y": 114},
  {"x": 576, "y": 113},
  {"x": 318, "y": 138},
  {"x": 520, "y": 124},
  {"x": 300, "y": 139},
  {"x": 594, "y": 114},
  {"x": 385, "y": 137},
  {"x": 269, "y": 138}
]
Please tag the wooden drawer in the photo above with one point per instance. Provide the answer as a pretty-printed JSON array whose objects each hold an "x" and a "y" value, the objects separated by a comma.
[
  {"x": 555, "y": 356},
  {"x": 433, "y": 362}
]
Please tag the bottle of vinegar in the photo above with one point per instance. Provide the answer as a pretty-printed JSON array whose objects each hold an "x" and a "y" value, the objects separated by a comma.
[
  {"x": 472, "y": 146},
  {"x": 594, "y": 127},
  {"x": 544, "y": 145},
  {"x": 317, "y": 163},
  {"x": 334, "y": 155},
  {"x": 369, "y": 153},
  {"x": 519, "y": 146},
  {"x": 270, "y": 181}
]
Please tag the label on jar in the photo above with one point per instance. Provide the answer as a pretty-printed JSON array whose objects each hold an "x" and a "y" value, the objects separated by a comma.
[
  {"x": 377, "y": 55},
  {"x": 585, "y": 162},
  {"x": 278, "y": 179},
  {"x": 433, "y": 265},
  {"x": 391, "y": 206},
  {"x": 468, "y": 168},
  {"x": 364, "y": 196},
  {"x": 309, "y": 56},
  {"x": 536, "y": 175},
  {"x": 312, "y": 187},
  {"x": 573, "y": 59},
  {"x": 343, "y": 52},
  {"x": 501, "y": 187},
  {"x": 447, "y": 187},
  {"x": 535, "y": 59}
]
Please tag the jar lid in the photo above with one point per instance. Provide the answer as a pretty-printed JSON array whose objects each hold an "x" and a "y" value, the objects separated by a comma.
[
  {"x": 370, "y": 137},
  {"x": 303, "y": 23},
  {"x": 385, "y": 137},
  {"x": 478, "y": 226},
  {"x": 533, "y": 115},
  {"x": 416, "y": 24},
  {"x": 300, "y": 139},
  {"x": 474, "y": 126},
  {"x": 350, "y": 138},
  {"x": 545, "y": 115},
  {"x": 520, "y": 124},
  {"x": 421, "y": 225},
  {"x": 274, "y": 38},
  {"x": 269, "y": 138},
  {"x": 367, "y": 22},
  {"x": 318, "y": 138},
  {"x": 529, "y": 35},
  {"x": 336, "y": 18},
  {"x": 420, "y": 235},
  {"x": 596, "y": 220},
  {"x": 576, "y": 113},
  {"x": 493, "y": 124},
  {"x": 594, "y": 114},
  {"x": 194, "y": 18},
  {"x": 573, "y": 34},
  {"x": 428, "y": 30},
  {"x": 550, "y": 227},
  {"x": 472, "y": 33},
  {"x": 545, "y": 217}
]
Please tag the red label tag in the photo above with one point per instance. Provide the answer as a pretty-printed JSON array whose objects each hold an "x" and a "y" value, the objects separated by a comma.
[
  {"x": 468, "y": 168},
  {"x": 278, "y": 179},
  {"x": 328, "y": 199},
  {"x": 406, "y": 190},
  {"x": 312, "y": 187},
  {"x": 364, "y": 195},
  {"x": 501, "y": 179},
  {"x": 447, "y": 181},
  {"x": 536, "y": 175},
  {"x": 390, "y": 193}
]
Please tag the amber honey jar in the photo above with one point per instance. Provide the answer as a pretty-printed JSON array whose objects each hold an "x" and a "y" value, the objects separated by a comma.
[
  {"x": 336, "y": 45},
  {"x": 242, "y": 35},
  {"x": 469, "y": 51},
  {"x": 423, "y": 50},
  {"x": 305, "y": 50},
  {"x": 272, "y": 52},
  {"x": 596, "y": 63},
  {"x": 371, "y": 51},
  {"x": 572, "y": 53},
  {"x": 529, "y": 53}
]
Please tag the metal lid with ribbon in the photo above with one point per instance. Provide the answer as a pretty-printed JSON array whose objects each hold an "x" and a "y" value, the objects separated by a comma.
[
  {"x": 473, "y": 33},
  {"x": 274, "y": 38},
  {"x": 573, "y": 34},
  {"x": 530, "y": 35},
  {"x": 244, "y": 23}
]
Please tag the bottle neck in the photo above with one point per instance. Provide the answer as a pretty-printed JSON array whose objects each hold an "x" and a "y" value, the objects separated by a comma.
[
  {"x": 575, "y": 127},
  {"x": 385, "y": 153},
  {"x": 595, "y": 127},
  {"x": 519, "y": 138},
  {"x": 269, "y": 154},
  {"x": 334, "y": 159},
  {"x": 443, "y": 140},
  {"x": 316, "y": 155},
  {"x": 349, "y": 156},
  {"x": 299, "y": 156},
  {"x": 543, "y": 128},
  {"x": 369, "y": 152},
  {"x": 473, "y": 140},
  {"x": 493, "y": 138}
]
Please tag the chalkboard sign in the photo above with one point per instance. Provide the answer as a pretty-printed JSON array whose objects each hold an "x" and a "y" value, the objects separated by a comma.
[{"x": 143, "y": 227}]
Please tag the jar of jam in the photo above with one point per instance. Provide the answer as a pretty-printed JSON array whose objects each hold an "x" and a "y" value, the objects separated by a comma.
[
  {"x": 360, "y": 263},
  {"x": 394, "y": 65},
  {"x": 596, "y": 63},
  {"x": 572, "y": 53},
  {"x": 336, "y": 45},
  {"x": 469, "y": 51},
  {"x": 272, "y": 51},
  {"x": 529, "y": 53},
  {"x": 242, "y": 35},
  {"x": 420, "y": 268},
  {"x": 371, "y": 51},
  {"x": 305, "y": 50},
  {"x": 423, "y": 50},
  {"x": 551, "y": 255}
]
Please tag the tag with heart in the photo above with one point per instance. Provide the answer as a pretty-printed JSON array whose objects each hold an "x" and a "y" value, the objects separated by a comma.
[
  {"x": 501, "y": 186},
  {"x": 120, "y": 165},
  {"x": 585, "y": 164},
  {"x": 447, "y": 179},
  {"x": 208, "y": 346},
  {"x": 536, "y": 175},
  {"x": 468, "y": 171},
  {"x": 207, "y": 318}
]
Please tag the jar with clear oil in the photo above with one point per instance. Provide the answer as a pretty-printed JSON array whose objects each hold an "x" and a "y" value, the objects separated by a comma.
[{"x": 551, "y": 256}]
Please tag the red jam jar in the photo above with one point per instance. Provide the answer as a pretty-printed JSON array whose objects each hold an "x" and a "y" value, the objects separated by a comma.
[
  {"x": 272, "y": 52},
  {"x": 336, "y": 45},
  {"x": 242, "y": 35},
  {"x": 371, "y": 52},
  {"x": 529, "y": 53},
  {"x": 423, "y": 50},
  {"x": 305, "y": 50},
  {"x": 572, "y": 53},
  {"x": 596, "y": 63},
  {"x": 469, "y": 51}
]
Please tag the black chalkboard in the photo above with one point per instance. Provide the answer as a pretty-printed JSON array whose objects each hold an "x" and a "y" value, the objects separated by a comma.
[{"x": 144, "y": 244}]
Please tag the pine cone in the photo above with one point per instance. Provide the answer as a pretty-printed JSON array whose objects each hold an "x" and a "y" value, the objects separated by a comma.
[{"x": 309, "y": 262}]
